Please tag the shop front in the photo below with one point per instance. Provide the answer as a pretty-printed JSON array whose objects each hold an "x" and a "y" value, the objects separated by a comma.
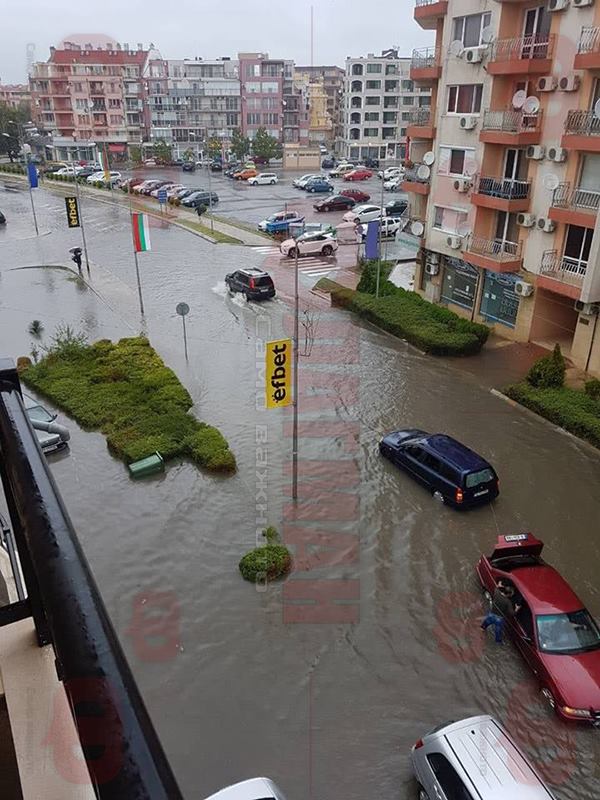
[{"x": 459, "y": 283}]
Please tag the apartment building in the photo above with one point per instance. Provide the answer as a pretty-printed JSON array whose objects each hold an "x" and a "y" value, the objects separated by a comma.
[
  {"x": 333, "y": 80},
  {"x": 505, "y": 175},
  {"x": 89, "y": 96},
  {"x": 15, "y": 95},
  {"x": 262, "y": 82},
  {"x": 380, "y": 98}
]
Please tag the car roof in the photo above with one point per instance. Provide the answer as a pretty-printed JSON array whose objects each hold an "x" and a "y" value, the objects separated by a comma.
[
  {"x": 455, "y": 452},
  {"x": 545, "y": 590},
  {"x": 252, "y": 789},
  {"x": 254, "y": 272},
  {"x": 490, "y": 758}
]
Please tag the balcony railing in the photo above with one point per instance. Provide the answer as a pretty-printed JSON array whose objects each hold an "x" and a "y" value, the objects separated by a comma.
[
  {"x": 494, "y": 248},
  {"x": 523, "y": 47},
  {"x": 503, "y": 188},
  {"x": 419, "y": 3},
  {"x": 578, "y": 198},
  {"x": 511, "y": 121},
  {"x": 425, "y": 58},
  {"x": 582, "y": 123},
  {"x": 589, "y": 41},
  {"x": 420, "y": 117},
  {"x": 563, "y": 268}
]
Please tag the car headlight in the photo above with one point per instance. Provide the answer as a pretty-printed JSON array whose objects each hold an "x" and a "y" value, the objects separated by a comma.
[{"x": 577, "y": 712}]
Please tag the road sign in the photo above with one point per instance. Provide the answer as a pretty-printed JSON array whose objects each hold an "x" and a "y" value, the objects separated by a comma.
[
  {"x": 162, "y": 196},
  {"x": 278, "y": 374},
  {"x": 182, "y": 309},
  {"x": 72, "y": 212}
]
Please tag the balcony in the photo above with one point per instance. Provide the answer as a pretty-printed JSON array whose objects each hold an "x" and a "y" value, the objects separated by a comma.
[
  {"x": 502, "y": 194},
  {"x": 427, "y": 13},
  {"x": 561, "y": 274},
  {"x": 588, "y": 50},
  {"x": 413, "y": 183},
  {"x": 525, "y": 55},
  {"x": 577, "y": 206},
  {"x": 425, "y": 65},
  {"x": 511, "y": 128},
  {"x": 582, "y": 132},
  {"x": 493, "y": 254},
  {"x": 420, "y": 124}
]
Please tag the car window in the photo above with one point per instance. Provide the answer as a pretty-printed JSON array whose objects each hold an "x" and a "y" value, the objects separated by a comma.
[
  {"x": 525, "y": 618},
  {"x": 449, "y": 780},
  {"x": 39, "y": 413},
  {"x": 482, "y": 476},
  {"x": 430, "y": 461},
  {"x": 414, "y": 451},
  {"x": 263, "y": 280},
  {"x": 575, "y": 632},
  {"x": 242, "y": 278}
]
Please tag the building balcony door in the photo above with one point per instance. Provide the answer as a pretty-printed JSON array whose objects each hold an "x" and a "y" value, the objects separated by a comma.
[
  {"x": 576, "y": 253},
  {"x": 536, "y": 32},
  {"x": 507, "y": 232}
]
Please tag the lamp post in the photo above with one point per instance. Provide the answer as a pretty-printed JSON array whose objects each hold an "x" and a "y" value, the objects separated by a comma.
[
  {"x": 295, "y": 389},
  {"x": 26, "y": 149},
  {"x": 91, "y": 145}
]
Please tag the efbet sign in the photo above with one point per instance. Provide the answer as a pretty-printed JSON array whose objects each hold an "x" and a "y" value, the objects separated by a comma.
[
  {"x": 278, "y": 375},
  {"x": 72, "y": 212}
]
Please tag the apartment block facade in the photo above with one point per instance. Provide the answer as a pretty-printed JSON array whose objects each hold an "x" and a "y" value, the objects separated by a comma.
[
  {"x": 380, "y": 96},
  {"x": 332, "y": 80},
  {"x": 15, "y": 95},
  {"x": 505, "y": 172}
]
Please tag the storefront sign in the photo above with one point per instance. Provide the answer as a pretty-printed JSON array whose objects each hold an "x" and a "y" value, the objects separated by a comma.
[
  {"x": 72, "y": 212},
  {"x": 499, "y": 302},
  {"x": 459, "y": 285},
  {"x": 278, "y": 374}
]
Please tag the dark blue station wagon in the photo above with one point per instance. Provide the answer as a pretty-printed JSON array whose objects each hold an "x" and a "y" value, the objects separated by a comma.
[{"x": 451, "y": 471}]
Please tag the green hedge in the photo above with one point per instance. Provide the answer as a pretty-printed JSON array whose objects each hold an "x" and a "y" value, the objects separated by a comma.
[
  {"x": 572, "y": 409},
  {"x": 431, "y": 328},
  {"x": 12, "y": 169},
  {"x": 266, "y": 563},
  {"x": 127, "y": 392}
]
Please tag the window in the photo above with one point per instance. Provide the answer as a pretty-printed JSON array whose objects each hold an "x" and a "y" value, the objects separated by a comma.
[
  {"x": 448, "y": 219},
  {"x": 575, "y": 632},
  {"x": 408, "y": 101},
  {"x": 270, "y": 119},
  {"x": 115, "y": 119},
  {"x": 253, "y": 88},
  {"x": 448, "y": 778},
  {"x": 370, "y": 132},
  {"x": 577, "y": 248},
  {"x": 374, "y": 68},
  {"x": 271, "y": 87},
  {"x": 389, "y": 117},
  {"x": 373, "y": 85},
  {"x": 253, "y": 119},
  {"x": 457, "y": 162},
  {"x": 408, "y": 86},
  {"x": 372, "y": 100},
  {"x": 80, "y": 104},
  {"x": 78, "y": 87},
  {"x": 231, "y": 120},
  {"x": 372, "y": 116},
  {"x": 499, "y": 301},
  {"x": 391, "y": 69},
  {"x": 114, "y": 103},
  {"x": 468, "y": 29},
  {"x": 465, "y": 99},
  {"x": 231, "y": 103},
  {"x": 391, "y": 86},
  {"x": 357, "y": 69},
  {"x": 459, "y": 283}
]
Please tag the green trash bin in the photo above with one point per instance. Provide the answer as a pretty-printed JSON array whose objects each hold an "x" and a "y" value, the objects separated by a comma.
[{"x": 147, "y": 466}]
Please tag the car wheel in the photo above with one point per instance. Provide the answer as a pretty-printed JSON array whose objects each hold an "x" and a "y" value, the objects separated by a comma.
[
  {"x": 312, "y": 191},
  {"x": 422, "y": 793},
  {"x": 439, "y": 497},
  {"x": 326, "y": 208},
  {"x": 273, "y": 183},
  {"x": 247, "y": 296},
  {"x": 549, "y": 698},
  {"x": 488, "y": 597},
  {"x": 327, "y": 250},
  {"x": 292, "y": 252}
]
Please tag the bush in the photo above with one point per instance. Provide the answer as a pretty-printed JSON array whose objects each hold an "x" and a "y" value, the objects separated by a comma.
[
  {"x": 267, "y": 563},
  {"x": 592, "y": 388},
  {"x": 36, "y": 327},
  {"x": 548, "y": 372}
]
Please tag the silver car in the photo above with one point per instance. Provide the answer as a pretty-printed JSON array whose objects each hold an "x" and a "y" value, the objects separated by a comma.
[
  {"x": 474, "y": 758},
  {"x": 252, "y": 789},
  {"x": 50, "y": 434}
]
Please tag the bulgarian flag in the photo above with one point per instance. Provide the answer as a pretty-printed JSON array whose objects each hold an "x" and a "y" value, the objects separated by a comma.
[{"x": 141, "y": 232}]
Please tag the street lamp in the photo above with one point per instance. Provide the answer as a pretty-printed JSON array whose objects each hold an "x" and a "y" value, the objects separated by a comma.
[{"x": 26, "y": 155}]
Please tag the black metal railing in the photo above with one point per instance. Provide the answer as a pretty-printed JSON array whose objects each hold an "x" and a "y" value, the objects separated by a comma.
[
  {"x": 503, "y": 188},
  {"x": 121, "y": 748},
  {"x": 582, "y": 123},
  {"x": 420, "y": 117}
]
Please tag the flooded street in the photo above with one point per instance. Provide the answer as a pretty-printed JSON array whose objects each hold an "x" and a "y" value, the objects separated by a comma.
[{"x": 247, "y": 685}]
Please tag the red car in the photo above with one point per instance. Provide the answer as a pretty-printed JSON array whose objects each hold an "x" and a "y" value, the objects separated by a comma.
[
  {"x": 356, "y": 194},
  {"x": 358, "y": 175},
  {"x": 555, "y": 633}
]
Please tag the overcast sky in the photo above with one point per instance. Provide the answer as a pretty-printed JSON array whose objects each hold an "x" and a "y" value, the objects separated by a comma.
[{"x": 212, "y": 28}]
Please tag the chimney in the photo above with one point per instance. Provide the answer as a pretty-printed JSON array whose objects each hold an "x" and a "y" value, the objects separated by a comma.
[{"x": 140, "y": 46}]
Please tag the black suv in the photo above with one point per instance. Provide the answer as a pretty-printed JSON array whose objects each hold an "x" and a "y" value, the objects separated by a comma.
[{"x": 253, "y": 283}]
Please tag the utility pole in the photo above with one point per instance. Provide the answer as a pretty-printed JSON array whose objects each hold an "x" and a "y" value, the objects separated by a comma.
[
  {"x": 295, "y": 389},
  {"x": 85, "y": 252},
  {"x": 380, "y": 230}
]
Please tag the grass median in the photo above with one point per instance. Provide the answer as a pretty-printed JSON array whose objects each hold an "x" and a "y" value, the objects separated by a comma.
[
  {"x": 218, "y": 236},
  {"x": 125, "y": 390}
]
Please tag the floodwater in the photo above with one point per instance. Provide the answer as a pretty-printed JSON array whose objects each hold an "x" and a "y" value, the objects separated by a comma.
[{"x": 259, "y": 682}]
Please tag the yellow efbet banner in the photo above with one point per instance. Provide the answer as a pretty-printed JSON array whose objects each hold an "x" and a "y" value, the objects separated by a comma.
[{"x": 278, "y": 374}]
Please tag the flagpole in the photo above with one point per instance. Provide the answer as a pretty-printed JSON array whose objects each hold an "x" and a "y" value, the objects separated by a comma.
[
  {"x": 295, "y": 389},
  {"x": 28, "y": 163},
  {"x": 137, "y": 267}
]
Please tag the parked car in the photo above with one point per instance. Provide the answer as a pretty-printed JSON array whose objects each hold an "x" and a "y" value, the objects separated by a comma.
[
  {"x": 232, "y": 168},
  {"x": 357, "y": 195},
  {"x": 328, "y": 163},
  {"x": 150, "y": 162},
  {"x": 216, "y": 166},
  {"x": 300, "y": 183},
  {"x": 244, "y": 174},
  {"x": 153, "y": 186},
  {"x": 396, "y": 207},
  {"x": 185, "y": 192},
  {"x": 389, "y": 228},
  {"x": 172, "y": 190},
  {"x": 310, "y": 243},
  {"x": 390, "y": 172},
  {"x": 394, "y": 184},
  {"x": 358, "y": 175},
  {"x": 363, "y": 213},
  {"x": 2, "y": 219},
  {"x": 188, "y": 166},
  {"x": 114, "y": 178},
  {"x": 451, "y": 471},
  {"x": 177, "y": 162},
  {"x": 556, "y": 634},
  {"x": 252, "y": 789},
  {"x": 84, "y": 173},
  {"x": 50, "y": 434},
  {"x": 336, "y": 203},
  {"x": 318, "y": 185},
  {"x": 371, "y": 163},
  {"x": 69, "y": 170},
  {"x": 341, "y": 170},
  {"x": 164, "y": 187},
  {"x": 474, "y": 757},
  {"x": 264, "y": 178},
  {"x": 199, "y": 198},
  {"x": 282, "y": 219},
  {"x": 254, "y": 284}
]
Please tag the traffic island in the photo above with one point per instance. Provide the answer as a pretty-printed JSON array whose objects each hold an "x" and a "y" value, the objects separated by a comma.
[
  {"x": 125, "y": 390},
  {"x": 267, "y": 563}
]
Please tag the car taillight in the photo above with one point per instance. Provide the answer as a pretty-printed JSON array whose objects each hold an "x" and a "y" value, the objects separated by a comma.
[
  {"x": 418, "y": 744},
  {"x": 252, "y": 283},
  {"x": 459, "y": 496}
]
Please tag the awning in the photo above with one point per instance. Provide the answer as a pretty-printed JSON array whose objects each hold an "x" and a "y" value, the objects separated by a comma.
[{"x": 117, "y": 148}]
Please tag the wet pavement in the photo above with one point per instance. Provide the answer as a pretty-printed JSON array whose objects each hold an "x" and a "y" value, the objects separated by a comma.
[{"x": 324, "y": 682}]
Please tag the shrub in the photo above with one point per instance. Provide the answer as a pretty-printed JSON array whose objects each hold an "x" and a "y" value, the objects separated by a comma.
[
  {"x": 592, "y": 388},
  {"x": 267, "y": 563},
  {"x": 548, "y": 372},
  {"x": 36, "y": 327}
]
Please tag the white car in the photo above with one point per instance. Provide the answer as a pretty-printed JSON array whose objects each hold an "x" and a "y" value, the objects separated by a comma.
[
  {"x": 74, "y": 170},
  {"x": 390, "y": 172},
  {"x": 287, "y": 216},
  {"x": 389, "y": 228},
  {"x": 299, "y": 183},
  {"x": 263, "y": 178},
  {"x": 324, "y": 244},
  {"x": 364, "y": 213},
  {"x": 341, "y": 170},
  {"x": 253, "y": 789},
  {"x": 177, "y": 187},
  {"x": 115, "y": 178},
  {"x": 393, "y": 184},
  {"x": 165, "y": 187}
]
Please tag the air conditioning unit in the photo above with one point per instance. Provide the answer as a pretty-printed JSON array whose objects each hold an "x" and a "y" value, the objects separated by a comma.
[
  {"x": 468, "y": 123},
  {"x": 557, "y": 5},
  {"x": 569, "y": 83},
  {"x": 474, "y": 55},
  {"x": 523, "y": 289},
  {"x": 586, "y": 308},
  {"x": 526, "y": 220},
  {"x": 558, "y": 154},
  {"x": 431, "y": 268},
  {"x": 547, "y": 84},
  {"x": 455, "y": 242},
  {"x": 462, "y": 185},
  {"x": 432, "y": 258},
  {"x": 546, "y": 225},
  {"x": 583, "y": 3},
  {"x": 536, "y": 152}
]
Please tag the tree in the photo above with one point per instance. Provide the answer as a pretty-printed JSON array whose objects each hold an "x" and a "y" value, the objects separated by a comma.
[
  {"x": 189, "y": 155},
  {"x": 266, "y": 147},
  {"x": 162, "y": 151},
  {"x": 213, "y": 147},
  {"x": 240, "y": 145},
  {"x": 135, "y": 154}
]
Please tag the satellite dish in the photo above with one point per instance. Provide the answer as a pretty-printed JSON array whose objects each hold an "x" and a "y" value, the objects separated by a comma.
[
  {"x": 597, "y": 109},
  {"x": 456, "y": 47},
  {"x": 551, "y": 181},
  {"x": 519, "y": 98},
  {"x": 417, "y": 228},
  {"x": 423, "y": 172},
  {"x": 429, "y": 158},
  {"x": 464, "y": 229},
  {"x": 531, "y": 105},
  {"x": 487, "y": 35}
]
